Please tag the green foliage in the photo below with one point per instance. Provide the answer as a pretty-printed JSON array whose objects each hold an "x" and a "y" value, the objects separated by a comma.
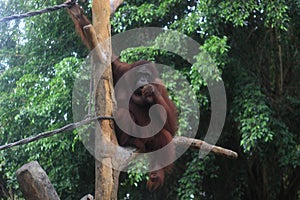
[
  {"x": 286, "y": 143},
  {"x": 38, "y": 104},
  {"x": 237, "y": 12},
  {"x": 137, "y": 14},
  {"x": 217, "y": 48},
  {"x": 36, "y": 91},
  {"x": 236, "y": 47},
  {"x": 276, "y": 14},
  {"x": 191, "y": 183},
  {"x": 137, "y": 171},
  {"x": 209, "y": 61},
  {"x": 252, "y": 113}
]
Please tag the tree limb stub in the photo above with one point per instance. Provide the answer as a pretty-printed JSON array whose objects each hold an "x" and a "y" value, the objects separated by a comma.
[
  {"x": 114, "y": 4},
  {"x": 34, "y": 183},
  {"x": 202, "y": 145}
]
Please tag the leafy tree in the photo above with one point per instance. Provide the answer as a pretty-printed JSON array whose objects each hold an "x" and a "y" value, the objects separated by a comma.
[
  {"x": 255, "y": 46},
  {"x": 260, "y": 63},
  {"x": 40, "y": 58}
]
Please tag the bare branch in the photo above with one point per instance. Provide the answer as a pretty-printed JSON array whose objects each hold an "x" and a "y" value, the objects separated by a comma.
[
  {"x": 200, "y": 144},
  {"x": 69, "y": 127},
  {"x": 127, "y": 153},
  {"x": 38, "y": 12}
]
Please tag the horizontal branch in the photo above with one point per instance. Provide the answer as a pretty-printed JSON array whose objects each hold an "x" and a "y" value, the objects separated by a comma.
[
  {"x": 128, "y": 152},
  {"x": 38, "y": 12},
  {"x": 200, "y": 144},
  {"x": 69, "y": 127}
]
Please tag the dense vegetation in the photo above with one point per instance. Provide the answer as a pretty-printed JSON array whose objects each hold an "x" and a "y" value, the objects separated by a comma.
[{"x": 256, "y": 45}]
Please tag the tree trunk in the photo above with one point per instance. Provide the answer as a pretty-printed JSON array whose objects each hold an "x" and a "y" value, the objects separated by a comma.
[
  {"x": 34, "y": 183},
  {"x": 106, "y": 182}
]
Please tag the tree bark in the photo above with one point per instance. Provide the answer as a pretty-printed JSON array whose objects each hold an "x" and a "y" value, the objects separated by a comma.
[
  {"x": 34, "y": 183},
  {"x": 204, "y": 146},
  {"x": 106, "y": 180}
]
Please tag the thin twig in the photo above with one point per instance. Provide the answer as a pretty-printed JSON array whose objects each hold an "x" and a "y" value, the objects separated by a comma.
[
  {"x": 69, "y": 127},
  {"x": 38, "y": 12}
]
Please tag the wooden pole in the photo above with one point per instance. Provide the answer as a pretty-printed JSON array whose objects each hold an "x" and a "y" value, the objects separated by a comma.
[{"x": 106, "y": 180}]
